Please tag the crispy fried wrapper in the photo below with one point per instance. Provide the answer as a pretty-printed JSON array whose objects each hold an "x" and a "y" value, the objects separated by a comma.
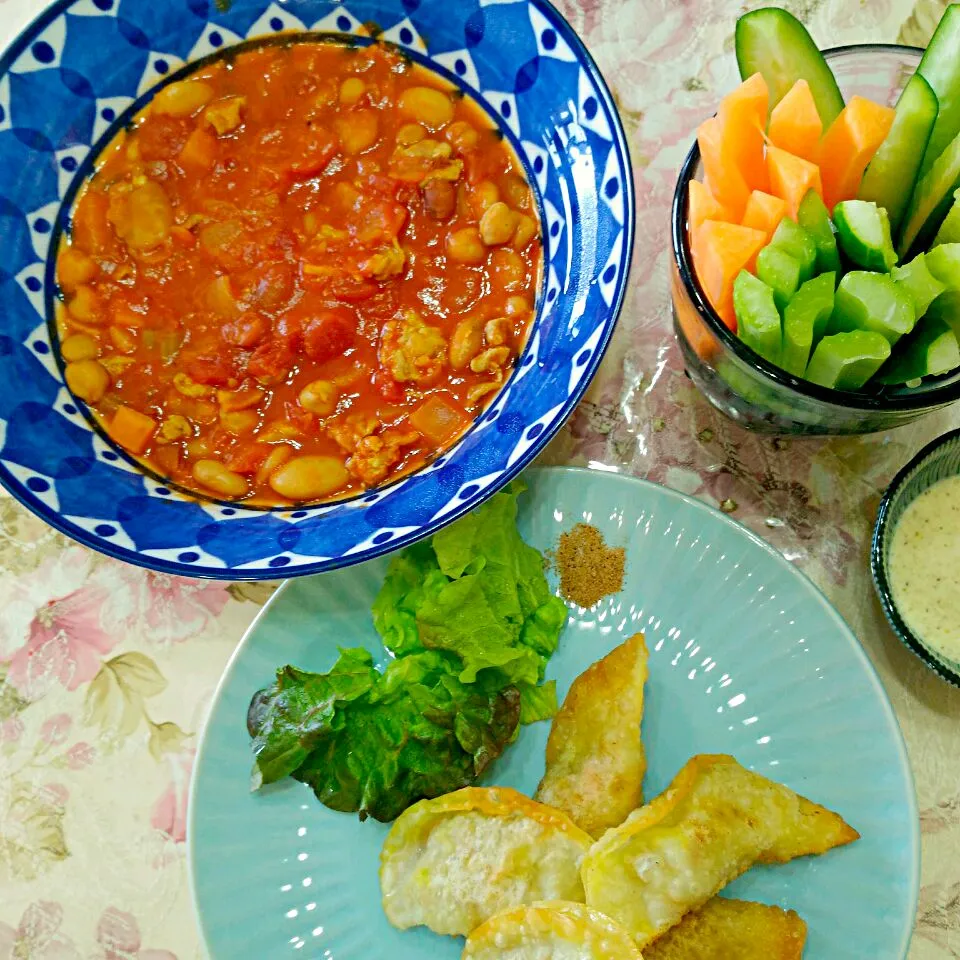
[
  {"x": 453, "y": 862},
  {"x": 550, "y": 929},
  {"x": 725, "y": 929},
  {"x": 709, "y": 826},
  {"x": 595, "y": 757}
]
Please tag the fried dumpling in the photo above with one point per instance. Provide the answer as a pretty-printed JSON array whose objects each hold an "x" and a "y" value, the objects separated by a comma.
[
  {"x": 595, "y": 758},
  {"x": 555, "y": 930},
  {"x": 732, "y": 930},
  {"x": 453, "y": 862},
  {"x": 709, "y": 826}
]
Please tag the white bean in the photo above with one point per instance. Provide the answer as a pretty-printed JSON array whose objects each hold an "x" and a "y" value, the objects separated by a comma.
[
  {"x": 309, "y": 478},
  {"x": 216, "y": 477}
]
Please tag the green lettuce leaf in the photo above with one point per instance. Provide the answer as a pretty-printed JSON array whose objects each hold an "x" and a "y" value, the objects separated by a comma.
[
  {"x": 413, "y": 576},
  {"x": 538, "y": 703},
  {"x": 493, "y": 607},
  {"x": 471, "y": 623},
  {"x": 289, "y": 719},
  {"x": 417, "y": 732}
]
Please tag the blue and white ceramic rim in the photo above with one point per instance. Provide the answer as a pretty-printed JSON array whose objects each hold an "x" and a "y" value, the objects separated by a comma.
[
  {"x": 79, "y": 70},
  {"x": 936, "y": 461}
]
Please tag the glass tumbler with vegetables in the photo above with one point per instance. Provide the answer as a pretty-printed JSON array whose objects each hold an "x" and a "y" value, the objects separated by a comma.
[{"x": 816, "y": 282}]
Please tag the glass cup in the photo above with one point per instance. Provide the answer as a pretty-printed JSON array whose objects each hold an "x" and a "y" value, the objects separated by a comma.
[{"x": 740, "y": 383}]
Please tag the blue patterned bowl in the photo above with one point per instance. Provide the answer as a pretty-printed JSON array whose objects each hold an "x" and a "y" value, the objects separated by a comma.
[
  {"x": 936, "y": 461},
  {"x": 84, "y": 66}
]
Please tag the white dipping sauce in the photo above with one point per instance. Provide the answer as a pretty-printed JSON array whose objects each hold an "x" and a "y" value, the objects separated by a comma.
[{"x": 924, "y": 567}]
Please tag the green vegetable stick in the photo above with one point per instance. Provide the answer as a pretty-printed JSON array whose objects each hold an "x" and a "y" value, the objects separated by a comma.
[
  {"x": 779, "y": 271},
  {"x": 775, "y": 43},
  {"x": 798, "y": 242},
  {"x": 814, "y": 218},
  {"x": 931, "y": 200},
  {"x": 929, "y": 351},
  {"x": 758, "y": 322},
  {"x": 915, "y": 277},
  {"x": 872, "y": 302},
  {"x": 863, "y": 231},
  {"x": 949, "y": 231},
  {"x": 805, "y": 322},
  {"x": 947, "y": 308},
  {"x": 940, "y": 67},
  {"x": 846, "y": 361},
  {"x": 895, "y": 167},
  {"x": 944, "y": 263}
]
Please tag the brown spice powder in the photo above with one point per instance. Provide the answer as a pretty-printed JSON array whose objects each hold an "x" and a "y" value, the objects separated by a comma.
[{"x": 588, "y": 569}]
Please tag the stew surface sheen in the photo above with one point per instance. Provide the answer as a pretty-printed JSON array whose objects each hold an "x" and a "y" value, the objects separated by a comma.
[{"x": 301, "y": 272}]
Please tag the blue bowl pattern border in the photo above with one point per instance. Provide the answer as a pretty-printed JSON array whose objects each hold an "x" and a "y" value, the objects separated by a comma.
[
  {"x": 936, "y": 461},
  {"x": 69, "y": 78}
]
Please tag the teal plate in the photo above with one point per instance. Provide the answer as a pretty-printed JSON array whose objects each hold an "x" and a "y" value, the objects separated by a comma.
[{"x": 746, "y": 658}]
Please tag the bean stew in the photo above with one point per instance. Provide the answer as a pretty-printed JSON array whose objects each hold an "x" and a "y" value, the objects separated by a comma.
[{"x": 300, "y": 272}]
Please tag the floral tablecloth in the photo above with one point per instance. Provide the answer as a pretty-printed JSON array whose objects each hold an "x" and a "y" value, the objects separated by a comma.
[{"x": 106, "y": 671}]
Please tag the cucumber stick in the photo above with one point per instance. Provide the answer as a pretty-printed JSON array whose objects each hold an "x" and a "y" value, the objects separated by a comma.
[
  {"x": 814, "y": 218},
  {"x": 805, "y": 322},
  {"x": 874, "y": 302},
  {"x": 846, "y": 361},
  {"x": 776, "y": 44},
  {"x": 931, "y": 199},
  {"x": 917, "y": 280},
  {"x": 892, "y": 174},
  {"x": 949, "y": 231},
  {"x": 864, "y": 234},
  {"x": 758, "y": 322},
  {"x": 929, "y": 351},
  {"x": 940, "y": 67},
  {"x": 780, "y": 272}
]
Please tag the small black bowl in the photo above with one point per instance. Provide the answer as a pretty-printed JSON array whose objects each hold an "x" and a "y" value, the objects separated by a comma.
[{"x": 937, "y": 461}]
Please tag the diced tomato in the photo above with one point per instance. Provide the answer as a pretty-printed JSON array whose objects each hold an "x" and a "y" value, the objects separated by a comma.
[
  {"x": 290, "y": 328},
  {"x": 271, "y": 361},
  {"x": 300, "y": 418},
  {"x": 273, "y": 287},
  {"x": 213, "y": 371},
  {"x": 248, "y": 460},
  {"x": 382, "y": 185},
  {"x": 166, "y": 458},
  {"x": 316, "y": 155},
  {"x": 247, "y": 331},
  {"x": 381, "y": 221},
  {"x": 351, "y": 289},
  {"x": 482, "y": 165},
  {"x": 163, "y": 138},
  {"x": 91, "y": 231},
  {"x": 329, "y": 334}
]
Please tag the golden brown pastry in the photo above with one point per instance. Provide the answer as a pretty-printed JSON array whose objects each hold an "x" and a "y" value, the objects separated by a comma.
[
  {"x": 453, "y": 862},
  {"x": 709, "y": 826},
  {"x": 556, "y": 930},
  {"x": 732, "y": 930},
  {"x": 595, "y": 758}
]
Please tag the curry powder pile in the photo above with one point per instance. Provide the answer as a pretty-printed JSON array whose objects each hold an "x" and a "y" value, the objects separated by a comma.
[{"x": 588, "y": 569}]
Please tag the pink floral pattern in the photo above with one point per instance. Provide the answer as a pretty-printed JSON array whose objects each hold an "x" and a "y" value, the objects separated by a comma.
[
  {"x": 54, "y": 629},
  {"x": 106, "y": 671},
  {"x": 173, "y": 609},
  {"x": 169, "y": 814}
]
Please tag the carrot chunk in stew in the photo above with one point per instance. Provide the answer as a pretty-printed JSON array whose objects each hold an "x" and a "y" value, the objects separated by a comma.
[{"x": 298, "y": 274}]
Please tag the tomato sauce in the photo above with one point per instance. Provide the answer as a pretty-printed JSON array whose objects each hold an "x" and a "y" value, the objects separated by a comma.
[{"x": 301, "y": 272}]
